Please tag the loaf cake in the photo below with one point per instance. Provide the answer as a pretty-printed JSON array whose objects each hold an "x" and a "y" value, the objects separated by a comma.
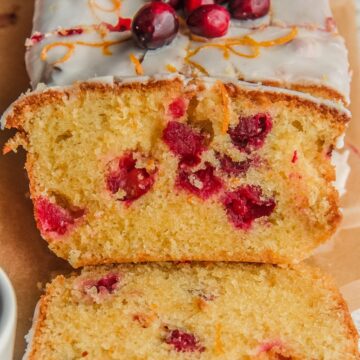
[
  {"x": 179, "y": 165},
  {"x": 193, "y": 311}
]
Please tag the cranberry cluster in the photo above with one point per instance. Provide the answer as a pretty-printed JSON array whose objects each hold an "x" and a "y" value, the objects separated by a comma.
[{"x": 156, "y": 24}]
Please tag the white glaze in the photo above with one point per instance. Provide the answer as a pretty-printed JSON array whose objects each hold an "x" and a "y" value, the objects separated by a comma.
[
  {"x": 307, "y": 13},
  {"x": 52, "y": 14},
  {"x": 342, "y": 168},
  {"x": 312, "y": 58},
  {"x": 86, "y": 61},
  {"x": 29, "y": 338}
]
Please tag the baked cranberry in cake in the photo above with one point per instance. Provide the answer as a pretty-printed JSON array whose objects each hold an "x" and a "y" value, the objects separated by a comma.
[
  {"x": 182, "y": 341},
  {"x": 177, "y": 108},
  {"x": 202, "y": 183},
  {"x": 209, "y": 21},
  {"x": 247, "y": 204},
  {"x": 249, "y": 9},
  {"x": 251, "y": 132},
  {"x": 232, "y": 167},
  {"x": 108, "y": 282},
  {"x": 155, "y": 25},
  {"x": 184, "y": 142},
  {"x": 53, "y": 218},
  {"x": 127, "y": 181}
]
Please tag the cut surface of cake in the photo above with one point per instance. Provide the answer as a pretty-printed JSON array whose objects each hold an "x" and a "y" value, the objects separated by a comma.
[
  {"x": 177, "y": 169},
  {"x": 193, "y": 311}
]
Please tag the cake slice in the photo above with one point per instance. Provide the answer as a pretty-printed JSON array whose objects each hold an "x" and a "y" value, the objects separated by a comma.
[
  {"x": 193, "y": 311},
  {"x": 176, "y": 169}
]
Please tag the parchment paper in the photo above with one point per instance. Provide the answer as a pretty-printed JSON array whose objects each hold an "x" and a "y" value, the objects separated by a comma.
[{"x": 24, "y": 255}]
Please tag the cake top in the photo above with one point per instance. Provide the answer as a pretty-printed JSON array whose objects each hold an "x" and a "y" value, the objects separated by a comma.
[{"x": 288, "y": 43}]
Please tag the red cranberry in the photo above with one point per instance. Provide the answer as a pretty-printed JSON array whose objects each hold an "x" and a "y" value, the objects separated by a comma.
[
  {"x": 251, "y": 132},
  {"x": 176, "y": 4},
  {"x": 183, "y": 342},
  {"x": 191, "y": 5},
  {"x": 209, "y": 21},
  {"x": 202, "y": 183},
  {"x": 108, "y": 282},
  {"x": 177, "y": 108},
  {"x": 232, "y": 167},
  {"x": 184, "y": 142},
  {"x": 52, "y": 217},
  {"x": 123, "y": 24},
  {"x": 246, "y": 204},
  {"x": 249, "y": 9},
  {"x": 155, "y": 25},
  {"x": 123, "y": 175}
]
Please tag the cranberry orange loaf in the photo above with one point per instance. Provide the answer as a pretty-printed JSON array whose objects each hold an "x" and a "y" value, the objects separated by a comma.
[
  {"x": 178, "y": 169},
  {"x": 292, "y": 44},
  {"x": 192, "y": 311}
]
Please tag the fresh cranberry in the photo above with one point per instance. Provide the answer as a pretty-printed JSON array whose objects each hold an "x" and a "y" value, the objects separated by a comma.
[
  {"x": 108, "y": 282},
  {"x": 123, "y": 24},
  {"x": 232, "y": 167},
  {"x": 202, "y": 183},
  {"x": 124, "y": 175},
  {"x": 184, "y": 142},
  {"x": 251, "y": 132},
  {"x": 249, "y": 9},
  {"x": 177, "y": 108},
  {"x": 183, "y": 342},
  {"x": 52, "y": 217},
  {"x": 70, "y": 32},
  {"x": 155, "y": 25},
  {"x": 246, "y": 204},
  {"x": 221, "y": 1},
  {"x": 191, "y": 5},
  {"x": 176, "y": 4},
  {"x": 209, "y": 21}
]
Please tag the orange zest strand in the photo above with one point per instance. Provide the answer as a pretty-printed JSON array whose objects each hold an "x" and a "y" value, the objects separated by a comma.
[
  {"x": 226, "y": 107},
  {"x": 138, "y": 68},
  {"x": 197, "y": 66},
  {"x": 228, "y": 46},
  {"x": 268, "y": 43},
  {"x": 70, "y": 50},
  {"x": 171, "y": 68},
  {"x": 105, "y": 45}
]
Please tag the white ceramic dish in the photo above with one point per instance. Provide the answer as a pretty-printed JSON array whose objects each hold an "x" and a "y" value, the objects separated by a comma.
[{"x": 7, "y": 317}]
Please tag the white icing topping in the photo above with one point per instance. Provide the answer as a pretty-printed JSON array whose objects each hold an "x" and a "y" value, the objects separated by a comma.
[
  {"x": 308, "y": 13},
  {"x": 52, "y": 14},
  {"x": 29, "y": 338},
  {"x": 342, "y": 167},
  {"x": 313, "y": 58},
  {"x": 85, "y": 62}
]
